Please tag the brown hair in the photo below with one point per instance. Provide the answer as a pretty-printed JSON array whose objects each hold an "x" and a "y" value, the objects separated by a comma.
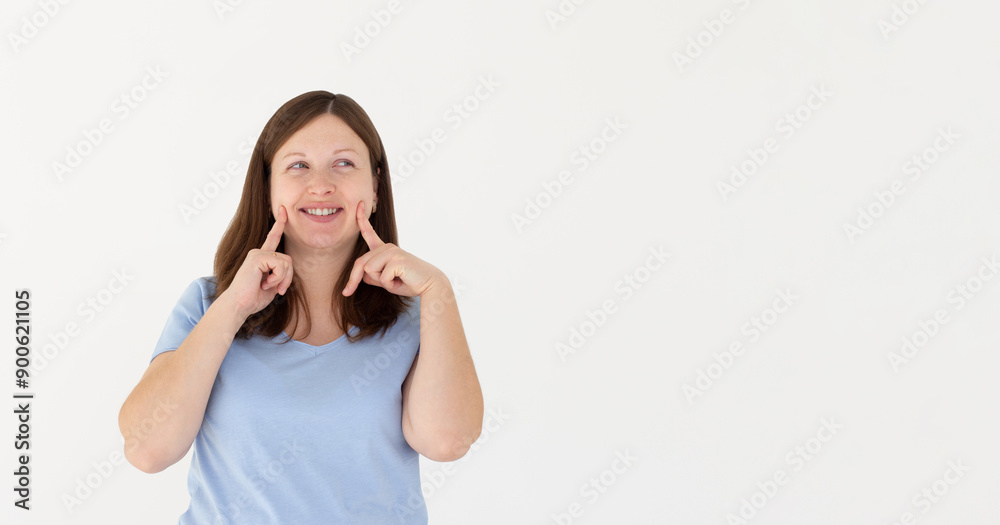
[{"x": 370, "y": 308}]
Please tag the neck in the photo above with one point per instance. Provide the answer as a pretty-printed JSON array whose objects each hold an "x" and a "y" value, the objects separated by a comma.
[{"x": 316, "y": 273}]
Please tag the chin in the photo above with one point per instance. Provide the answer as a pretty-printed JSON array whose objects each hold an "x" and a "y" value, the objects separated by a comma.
[{"x": 328, "y": 244}]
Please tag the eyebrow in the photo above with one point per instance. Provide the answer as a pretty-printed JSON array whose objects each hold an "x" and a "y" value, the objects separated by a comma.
[{"x": 334, "y": 153}]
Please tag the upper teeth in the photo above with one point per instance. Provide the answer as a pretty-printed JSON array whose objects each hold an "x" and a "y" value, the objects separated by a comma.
[{"x": 321, "y": 211}]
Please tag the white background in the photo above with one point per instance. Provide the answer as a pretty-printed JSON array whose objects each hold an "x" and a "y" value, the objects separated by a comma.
[{"x": 554, "y": 423}]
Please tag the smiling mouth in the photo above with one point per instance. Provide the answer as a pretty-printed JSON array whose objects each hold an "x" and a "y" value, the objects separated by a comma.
[
  {"x": 322, "y": 212},
  {"x": 322, "y": 215}
]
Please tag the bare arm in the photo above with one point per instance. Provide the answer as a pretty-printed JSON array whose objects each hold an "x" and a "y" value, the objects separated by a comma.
[
  {"x": 442, "y": 399},
  {"x": 161, "y": 417}
]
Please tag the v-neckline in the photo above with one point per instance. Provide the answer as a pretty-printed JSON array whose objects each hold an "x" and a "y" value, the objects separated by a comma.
[{"x": 323, "y": 347}]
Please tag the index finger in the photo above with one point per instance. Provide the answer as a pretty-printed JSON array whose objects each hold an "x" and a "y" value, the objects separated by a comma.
[
  {"x": 274, "y": 236},
  {"x": 366, "y": 228}
]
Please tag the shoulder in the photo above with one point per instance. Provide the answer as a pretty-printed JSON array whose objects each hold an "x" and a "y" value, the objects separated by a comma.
[
  {"x": 191, "y": 306},
  {"x": 204, "y": 284},
  {"x": 199, "y": 292},
  {"x": 414, "y": 307},
  {"x": 411, "y": 312}
]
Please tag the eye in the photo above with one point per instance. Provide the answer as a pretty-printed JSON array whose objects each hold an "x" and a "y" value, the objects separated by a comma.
[{"x": 338, "y": 163}]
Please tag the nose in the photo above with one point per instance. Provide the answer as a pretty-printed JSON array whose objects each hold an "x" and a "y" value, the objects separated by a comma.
[{"x": 320, "y": 183}]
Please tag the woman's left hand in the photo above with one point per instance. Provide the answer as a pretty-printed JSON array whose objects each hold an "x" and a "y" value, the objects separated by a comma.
[{"x": 388, "y": 266}]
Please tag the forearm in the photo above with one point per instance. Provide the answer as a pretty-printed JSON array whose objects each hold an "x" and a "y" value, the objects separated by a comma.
[
  {"x": 161, "y": 417},
  {"x": 445, "y": 399}
]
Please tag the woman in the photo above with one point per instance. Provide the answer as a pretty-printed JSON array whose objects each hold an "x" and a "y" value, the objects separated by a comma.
[{"x": 296, "y": 369}]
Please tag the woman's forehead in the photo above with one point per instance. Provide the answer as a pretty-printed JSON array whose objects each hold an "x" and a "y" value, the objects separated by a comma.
[{"x": 321, "y": 142}]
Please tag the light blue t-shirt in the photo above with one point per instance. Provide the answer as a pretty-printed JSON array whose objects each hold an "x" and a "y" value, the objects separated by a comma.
[{"x": 295, "y": 433}]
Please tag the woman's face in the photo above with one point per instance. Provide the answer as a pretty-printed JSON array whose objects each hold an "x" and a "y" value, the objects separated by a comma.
[{"x": 323, "y": 166}]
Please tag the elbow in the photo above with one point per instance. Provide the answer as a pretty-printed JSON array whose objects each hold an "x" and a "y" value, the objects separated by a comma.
[
  {"x": 144, "y": 448},
  {"x": 454, "y": 449},
  {"x": 142, "y": 456},
  {"x": 144, "y": 461},
  {"x": 446, "y": 454},
  {"x": 139, "y": 458},
  {"x": 140, "y": 461},
  {"x": 458, "y": 444},
  {"x": 135, "y": 453}
]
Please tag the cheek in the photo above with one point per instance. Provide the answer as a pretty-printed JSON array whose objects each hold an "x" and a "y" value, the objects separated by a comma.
[{"x": 282, "y": 195}]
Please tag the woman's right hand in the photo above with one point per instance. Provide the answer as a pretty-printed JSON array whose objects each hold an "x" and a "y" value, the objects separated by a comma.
[{"x": 264, "y": 272}]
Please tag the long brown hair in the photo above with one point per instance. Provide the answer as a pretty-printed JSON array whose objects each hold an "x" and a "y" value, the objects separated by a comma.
[{"x": 370, "y": 308}]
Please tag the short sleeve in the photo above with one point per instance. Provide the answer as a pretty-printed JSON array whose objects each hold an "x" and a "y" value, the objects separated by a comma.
[
  {"x": 415, "y": 318},
  {"x": 191, "y": 306}
]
